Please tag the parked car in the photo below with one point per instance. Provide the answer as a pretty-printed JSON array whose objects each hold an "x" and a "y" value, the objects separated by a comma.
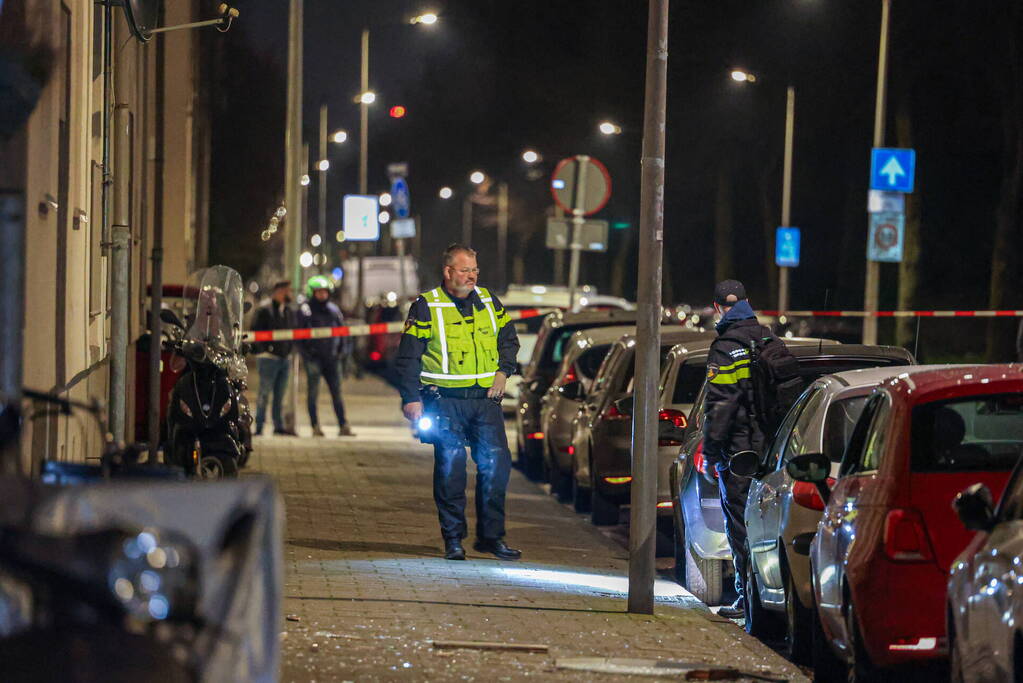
[
  {"x": 782, "y": 514},
  {"x": 539, "y": 373},
  {"x": 602, "y": 433},
  {"x": 583, "y": 354},
  {"x": 527, "y": 340},
  {"x": 888, "y": 535},
  {"x": 702, "y": 556},
  {"x": 985, "y": 602},
  {"x": 556, "y": 296}
]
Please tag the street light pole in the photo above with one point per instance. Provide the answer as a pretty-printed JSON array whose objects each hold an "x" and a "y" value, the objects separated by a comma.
[
  {"x": 643, "y": 515},
  {"x": 873, "y": 279},
  {"x": 786, "y": 191},
  {"x": 321, "y": 185},
  {"x": 293, "y": 144},
  {"x": 363, "y": 160}
]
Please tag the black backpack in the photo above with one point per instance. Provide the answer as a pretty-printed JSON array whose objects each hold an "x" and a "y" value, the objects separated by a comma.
[{"x": 776, "y": 381}]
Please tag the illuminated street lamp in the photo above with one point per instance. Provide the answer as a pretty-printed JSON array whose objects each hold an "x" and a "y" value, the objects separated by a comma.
[
  {"x": 315, "y": 240},
  {"x": 428, "y": 19},
  {"x": 339, "y": 136},
  {"x": 305, "y": 179},
  {"x": 306, "y": 259},
  {"x": 608, "y": 128},
  {"x": 445, "y": 193},
  {"x": 530, "y": 156},
  {"x": 477, "y": 177},
  {"x": 323, "y": 164},
  {"x": 368, "y": 97},
  {"x": 384, "y": 217},
  {"x": 743, "y": 76},
  {"x": 385, "y": 199}
]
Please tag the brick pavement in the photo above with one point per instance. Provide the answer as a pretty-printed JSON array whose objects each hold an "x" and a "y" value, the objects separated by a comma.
[{"x": 369, "y": 591}]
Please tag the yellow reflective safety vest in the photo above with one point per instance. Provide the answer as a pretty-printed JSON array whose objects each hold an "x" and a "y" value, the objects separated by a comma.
[{"x": 461, "y": 351}]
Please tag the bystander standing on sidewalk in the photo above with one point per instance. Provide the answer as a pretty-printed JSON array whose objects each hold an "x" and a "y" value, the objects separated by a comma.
[
  {"x": 274, "y": 357},
  {"x": 322, "y": 356}
]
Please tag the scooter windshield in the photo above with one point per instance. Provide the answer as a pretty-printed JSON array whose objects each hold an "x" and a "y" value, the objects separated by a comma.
[{"x": 217, "y": 317}]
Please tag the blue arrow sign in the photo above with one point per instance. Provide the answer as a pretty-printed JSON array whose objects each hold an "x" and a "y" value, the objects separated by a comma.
[
  {"x": 786, "y": 247},
  {"x": 400, "y": 197},
  {"x": 892, "y": 169}
]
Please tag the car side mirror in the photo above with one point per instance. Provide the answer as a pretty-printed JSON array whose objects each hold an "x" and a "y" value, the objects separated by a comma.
[
  {"x": 572, "y": 390},
  {"x": 975, "y": 508},
  {"x": 746, "y": 464},
  {"x": 814, "y": 468},
  {"x": 171, "y": 318},
  {"x": 625, "y": 405}
]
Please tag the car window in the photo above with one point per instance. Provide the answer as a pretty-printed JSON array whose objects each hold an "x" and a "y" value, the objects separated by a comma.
[
  {"x": 877, "y": 437},
  {"x": 839, "y": 424},
  {"x": 797, "y": 437},
  {"x": 696, "y": 414},
  {"x": 858, "y": 440},
  {"x": 590, "y": 360},
  {"x": 1011, "y": 506},
  {"x": 688, "y": 381},
  {"x": 968, "y": 433},
  {"x": 606, "y": 370},
  {"x": 665, "y": 348},
  {"x": 775, "y": 447}
]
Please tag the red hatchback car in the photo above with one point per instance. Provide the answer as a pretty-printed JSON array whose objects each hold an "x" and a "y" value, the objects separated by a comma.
[{"x": 882, "y": 552}]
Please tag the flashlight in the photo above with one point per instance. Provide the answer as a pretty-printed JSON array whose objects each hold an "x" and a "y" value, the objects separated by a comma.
[{"x": 425, "y": 423}]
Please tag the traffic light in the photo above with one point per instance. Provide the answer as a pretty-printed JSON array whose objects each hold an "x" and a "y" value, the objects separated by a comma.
[{"x": 397, "y": 111}]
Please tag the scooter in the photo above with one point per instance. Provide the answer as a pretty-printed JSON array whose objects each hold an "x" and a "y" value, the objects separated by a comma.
[{"x": 208, "y": 417}]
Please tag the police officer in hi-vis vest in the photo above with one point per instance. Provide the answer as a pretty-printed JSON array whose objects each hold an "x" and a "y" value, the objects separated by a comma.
[{"x": 456, "y": 354}]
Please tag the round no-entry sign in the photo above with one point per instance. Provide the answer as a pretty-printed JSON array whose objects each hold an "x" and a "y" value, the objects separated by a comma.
[{"x": 581, "y": 183}]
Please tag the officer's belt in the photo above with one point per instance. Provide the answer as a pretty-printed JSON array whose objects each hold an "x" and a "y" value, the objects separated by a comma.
[{"x": 461, "y": 392}]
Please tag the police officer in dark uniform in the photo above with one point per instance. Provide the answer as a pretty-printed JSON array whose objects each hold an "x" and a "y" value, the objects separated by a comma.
[
  {"x": 730, "y": 425},
  {"x": 456, "y": 353}
]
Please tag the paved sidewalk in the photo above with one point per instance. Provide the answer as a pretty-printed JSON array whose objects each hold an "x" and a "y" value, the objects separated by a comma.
[{"x": 367, "y": 592}]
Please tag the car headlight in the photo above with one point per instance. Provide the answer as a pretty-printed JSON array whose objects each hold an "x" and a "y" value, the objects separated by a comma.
[{"x": 184, "y": 407}]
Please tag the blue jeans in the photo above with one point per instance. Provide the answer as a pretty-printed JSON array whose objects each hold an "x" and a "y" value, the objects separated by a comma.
[
  {"x": 273, "y": 376},
  {"x": 330, "y": 371}
]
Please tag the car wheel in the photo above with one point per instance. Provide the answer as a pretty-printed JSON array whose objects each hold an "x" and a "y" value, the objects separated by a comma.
[
  {"x": 760, "y": 623},
  {"x": 702, "y": 577},
  {"x": 580, "y": 496},
  {"x": 217, "y": 466},
  {"x": 532, "y": 466},
  {"x": 860, "y": 669},
  {"x": 603, "y": 512},
  {"x": 561, "y": 487},
  {"x": 799, "y": 631},
  {"x": 827, "y": 667}
]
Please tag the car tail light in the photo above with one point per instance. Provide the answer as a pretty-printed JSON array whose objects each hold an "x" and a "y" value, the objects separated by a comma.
[
  {"x": 665, "y": 504},
  {"x": 617, "y": 480},
  {"x": 612, "y": 413},
  {"x": 699, "y": 462},
  {"x": 918, "y": 644},
  {"x": 677, "y": 418},
  {"x": 567, "y": 449},
  {"x": 535, "y": 436},
  {"x": 569, "y": 377},
  {"x": 375, "y": 355},
  {"x": 804, "y": 493},
  {"x": 905, "y": 537}
]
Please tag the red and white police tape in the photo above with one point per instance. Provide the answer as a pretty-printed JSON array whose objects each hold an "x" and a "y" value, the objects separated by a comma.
[
  {"x": 359, "y": 330},
  {"x": 894, "y": 314}
]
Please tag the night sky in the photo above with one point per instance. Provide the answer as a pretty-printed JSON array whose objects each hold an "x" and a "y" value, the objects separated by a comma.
[{"x": 492, "y": 79}]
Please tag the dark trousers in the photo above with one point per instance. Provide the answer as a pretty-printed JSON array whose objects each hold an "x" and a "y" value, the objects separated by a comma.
[
  {"x": 273, "y": 378},
  {"x": 734, "y": 490},
  {"x": 314, "y": 369},
  {"x": 479, "y": 424}
]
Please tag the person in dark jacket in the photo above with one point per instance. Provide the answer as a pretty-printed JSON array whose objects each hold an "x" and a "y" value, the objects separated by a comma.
[
  {"x": 322, "y": 356},
  {"x": 729, "y": 423},
  {"x": 274, "y": 357}
]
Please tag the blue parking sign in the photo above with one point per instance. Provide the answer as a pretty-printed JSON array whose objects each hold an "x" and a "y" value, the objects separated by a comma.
[
  {"x": 786, "y": 247},
  {"x": 892, "y": 169}
]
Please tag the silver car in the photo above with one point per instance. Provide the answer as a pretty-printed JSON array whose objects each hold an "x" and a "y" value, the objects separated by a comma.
[
  {"x": 782, "y": 515},
  {"x": 581, "y": 357}
]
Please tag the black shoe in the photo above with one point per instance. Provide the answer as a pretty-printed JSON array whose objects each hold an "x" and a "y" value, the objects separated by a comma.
[
  {"x": 259, "y": 431},
  {"x": 737, "y": 610},
  {"x": 453, "y": 549},
  {"x": 497, "y": 547}
]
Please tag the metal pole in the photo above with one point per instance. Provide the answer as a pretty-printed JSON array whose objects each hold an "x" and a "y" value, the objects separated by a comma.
[
  {"x": 502, "y": 234},
  {"x": 293, "y": 145},
  {"x": 363, "y": 161},
  {"x": 321, "y": 184},
  {"x": 786, "y": 191},
  {"x": 578, "y": 202},
  {"x": 643, "y": 515},
  {"x": 559, "y": 254},
  {"x": 873, "y": 280},
  {"x": 12, "y": 318},
  {"x": 156, "y": 282},
  {"x": 402, "y": 286}
]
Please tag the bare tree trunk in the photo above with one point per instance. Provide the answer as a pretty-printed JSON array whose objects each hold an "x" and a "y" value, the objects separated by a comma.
[
  {"x": 1006, "y": 245},
  {"x": 724, "y": 243},
  {"x": 909, "y": 269}
]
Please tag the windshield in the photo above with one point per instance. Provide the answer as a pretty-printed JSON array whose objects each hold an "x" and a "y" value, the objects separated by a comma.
[
  {"x": 216, "y": 315},
  {"x": 971, "y": 433}
]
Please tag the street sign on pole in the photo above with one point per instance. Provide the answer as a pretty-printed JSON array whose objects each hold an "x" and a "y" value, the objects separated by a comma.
[
  {"x": 879, "y": 200},
  {"x": 583, "y": 170},
  {"x": 398, "y": 169},
  {"x": 403, "y": 228},
  {"x": 786, "y": 247},
  {"x": 592, "y": 235},
  {"x": 581, "y": 186},
  {"x": 400, "y": 200},
  {"x": 886, "y": 237},
  {"x": 892, "y": 169},
  {"x": 361, "y": 217}
]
